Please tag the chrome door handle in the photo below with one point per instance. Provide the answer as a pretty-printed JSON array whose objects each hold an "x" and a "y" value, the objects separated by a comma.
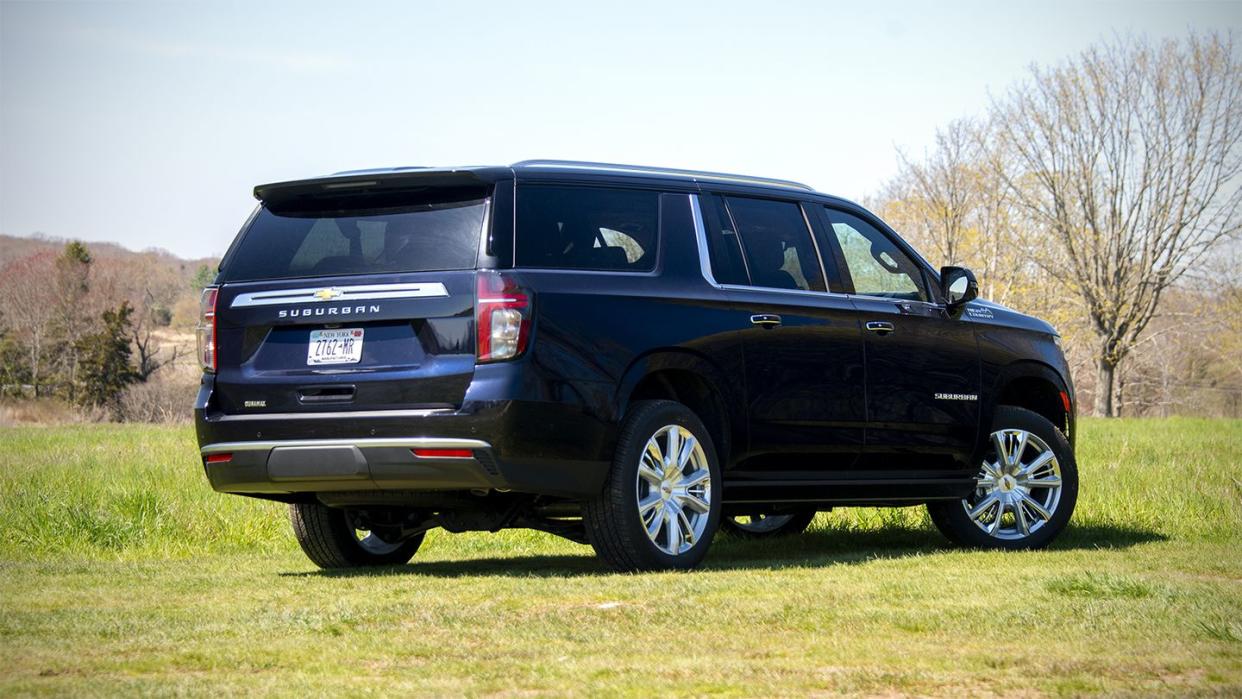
[
  {"x": 765, "y": 320},
  {"x": 882, "y": 327}
]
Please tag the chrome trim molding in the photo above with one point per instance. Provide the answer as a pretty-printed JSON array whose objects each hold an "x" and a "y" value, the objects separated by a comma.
[
  {"x": 700, "y": 232},
  {"x": 320, "y": 294},
  {"x": 333, "y": 415},
  {"x": 400, "y": 443}
]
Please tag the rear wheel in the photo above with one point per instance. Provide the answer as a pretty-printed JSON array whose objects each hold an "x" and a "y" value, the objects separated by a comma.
[
  {"x": 767, "y": 526},
  {"x": 1026, "y": 488},
  {"x": 332, "y": 538},
  {"x": 661, "y": 505}
]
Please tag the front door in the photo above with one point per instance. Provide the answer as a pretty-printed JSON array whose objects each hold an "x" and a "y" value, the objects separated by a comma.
[{"x": 923, "y": 372}]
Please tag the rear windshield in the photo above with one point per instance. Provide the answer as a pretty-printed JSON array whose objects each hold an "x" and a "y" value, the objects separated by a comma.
[{"x": 296, "y": 242}]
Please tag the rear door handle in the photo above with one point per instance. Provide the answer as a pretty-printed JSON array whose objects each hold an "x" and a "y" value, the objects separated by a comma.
[
  {"x": 882, "y": 327},
  {"x": 765, "y": 320}
]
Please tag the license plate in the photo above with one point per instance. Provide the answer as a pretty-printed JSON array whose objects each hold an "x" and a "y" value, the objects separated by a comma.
[{"x": 340, "y": 346}]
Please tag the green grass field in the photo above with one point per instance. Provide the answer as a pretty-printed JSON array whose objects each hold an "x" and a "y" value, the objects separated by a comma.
[{"x": 122, "y": 573}]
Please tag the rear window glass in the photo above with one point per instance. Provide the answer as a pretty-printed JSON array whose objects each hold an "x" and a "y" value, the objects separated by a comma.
[
  {"x": 285, "y": 243},
  {"x": 587, "y": 228}
]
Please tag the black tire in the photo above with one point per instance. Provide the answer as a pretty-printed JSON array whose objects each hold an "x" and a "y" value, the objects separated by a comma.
[
  {"x": 328, "y": 538},
  {"x": 953, "y": 520},
  {"x": 796, "y": 524},
  {"x": 613, "y": 523}
]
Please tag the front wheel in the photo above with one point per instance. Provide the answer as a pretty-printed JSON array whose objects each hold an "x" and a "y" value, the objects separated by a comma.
[
  {"x": 661, "y": 504},
  {"x": 331, "y": 538},
  {"x": 1025, "y": 491}
]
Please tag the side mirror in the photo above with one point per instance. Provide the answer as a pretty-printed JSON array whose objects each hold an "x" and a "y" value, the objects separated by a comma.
[{"x": 958, "y": 285}]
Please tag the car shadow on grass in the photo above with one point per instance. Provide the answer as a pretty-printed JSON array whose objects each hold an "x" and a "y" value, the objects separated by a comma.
[{"x": 816, "y": 548}]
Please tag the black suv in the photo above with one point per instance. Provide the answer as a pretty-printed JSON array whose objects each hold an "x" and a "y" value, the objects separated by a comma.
[{"x": 623, "y": 356}]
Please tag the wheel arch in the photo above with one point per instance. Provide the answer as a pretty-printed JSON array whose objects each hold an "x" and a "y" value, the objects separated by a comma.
[
  {"x": 1040, "y": 389},
  {"x": 692, "y": 380}
]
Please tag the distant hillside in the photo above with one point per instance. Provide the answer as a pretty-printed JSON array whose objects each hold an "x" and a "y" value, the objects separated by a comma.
[{"x": 14, "y": 247}]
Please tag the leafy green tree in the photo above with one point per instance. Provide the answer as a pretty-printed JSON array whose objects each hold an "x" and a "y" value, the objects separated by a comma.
[
  {"x": 202, "y": 278},
  {"x": 105, "y": 368}
]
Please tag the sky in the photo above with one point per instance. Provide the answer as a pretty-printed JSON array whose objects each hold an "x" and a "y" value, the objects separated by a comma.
[{"x": 149, "y": 124}]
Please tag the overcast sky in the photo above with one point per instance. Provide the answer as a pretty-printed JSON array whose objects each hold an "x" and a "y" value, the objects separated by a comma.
[{"x": 148, "y": 124}]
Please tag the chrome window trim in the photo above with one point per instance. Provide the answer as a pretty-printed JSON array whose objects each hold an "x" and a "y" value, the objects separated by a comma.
[
  {"x": 400, "y": 443},
  {"x": 361, "y": 292}
]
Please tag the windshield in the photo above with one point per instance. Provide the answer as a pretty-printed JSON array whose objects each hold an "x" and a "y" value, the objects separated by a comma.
[{"x": 289, "y": 243}]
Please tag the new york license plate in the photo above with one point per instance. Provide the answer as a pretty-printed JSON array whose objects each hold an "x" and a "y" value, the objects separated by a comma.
[{"x": 339, "y": 346}]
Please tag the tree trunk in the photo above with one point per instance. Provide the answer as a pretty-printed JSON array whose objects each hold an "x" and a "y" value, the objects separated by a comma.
[{"x": 1105, "y": 378}]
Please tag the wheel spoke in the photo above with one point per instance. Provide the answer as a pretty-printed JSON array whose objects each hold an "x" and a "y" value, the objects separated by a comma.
[
  {"x": 695, "y": 503},
  {"x": 653, "y": 451},
  {"x": 1019, "y": 515},
  {"x": 674, "y": 446},
  {"x": 1036, "y": 506},
  {"x": 983, "y": 506},
  {"x": 992, "y": 470},
  {"x": 1015, "y": 456},
  {"x": 689, "y": 535},
  {"x": 999, "y": 441},
  {"x": 647, "y": 504},
  {"x": 1049, "y": 482},
  {"x": 1039, "y": 462},
  {"x": 698, "y": 477},
  {"x": 657, "y": 519},
  {"x": 672, "y": 525},
  {"x": 649, "y": 474},
  {"x": 687, "y": 450},
  {"x": 995, "y": 524}
]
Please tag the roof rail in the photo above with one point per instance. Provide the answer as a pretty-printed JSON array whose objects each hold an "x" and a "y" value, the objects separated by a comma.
[{"x": 642, "y": 170}]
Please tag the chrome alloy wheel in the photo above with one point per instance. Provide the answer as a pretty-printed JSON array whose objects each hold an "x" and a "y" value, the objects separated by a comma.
[
  {"x": 373, "y": 544},
  {"x": 760, "y": 524},
  {"x": 674, "y": 490},
  {"x": 1019, "y": 486}
]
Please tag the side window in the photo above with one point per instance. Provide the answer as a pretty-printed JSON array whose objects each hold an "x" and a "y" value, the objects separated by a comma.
[
  {"x": 586, "y": 228},
  {"x": 876, "y": 265},
  {"x": 722, "y": 243},
  {"x": 779, "y": 251}
]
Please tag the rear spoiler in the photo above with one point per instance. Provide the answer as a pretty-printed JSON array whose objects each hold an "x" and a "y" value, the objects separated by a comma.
[{"x": 370, "y": 183}]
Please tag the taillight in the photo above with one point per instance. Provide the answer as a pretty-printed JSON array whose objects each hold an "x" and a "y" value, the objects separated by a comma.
[
  {"x": 502, "y": 318},
  {"x": 207, "y": 329}
]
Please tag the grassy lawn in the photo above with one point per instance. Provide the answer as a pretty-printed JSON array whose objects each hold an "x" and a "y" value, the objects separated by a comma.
[{"x": 122, "y": 573}]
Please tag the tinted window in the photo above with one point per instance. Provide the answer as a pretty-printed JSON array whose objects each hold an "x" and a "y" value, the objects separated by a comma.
[
  {"x": 779, "y": 251},
  {"x": 587, "y": 228},
  {"x": 875, "y": 263},
  {"x": 282, "y": 243},
  {"x": 724, "y": 249}
]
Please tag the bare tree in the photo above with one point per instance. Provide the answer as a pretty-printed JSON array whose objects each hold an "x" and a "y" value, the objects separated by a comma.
[
  {"x": 1128, "y": 159},
  {"x": 28, "y": 303},
  {"x": 952, "y": 204}
]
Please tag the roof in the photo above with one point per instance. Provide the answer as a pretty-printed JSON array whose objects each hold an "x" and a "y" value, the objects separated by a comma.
[{"x": 393, "y": 176}]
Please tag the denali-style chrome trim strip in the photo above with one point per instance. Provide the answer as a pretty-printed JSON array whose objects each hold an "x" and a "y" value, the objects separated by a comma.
[
  {"x": 400, "y": 443},
  {"x": 333, "y": 415},
  {"x": 319, "y": 294}
]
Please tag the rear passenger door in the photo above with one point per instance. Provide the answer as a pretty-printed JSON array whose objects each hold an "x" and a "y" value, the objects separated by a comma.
[
  {"x": 801, "y": 346},
  {"x": 922, "y": 365}
]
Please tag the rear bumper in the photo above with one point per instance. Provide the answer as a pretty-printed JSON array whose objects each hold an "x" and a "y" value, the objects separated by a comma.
[
  {"x": 319, "y": 465},
  {"x": 535, "y": 447}
]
